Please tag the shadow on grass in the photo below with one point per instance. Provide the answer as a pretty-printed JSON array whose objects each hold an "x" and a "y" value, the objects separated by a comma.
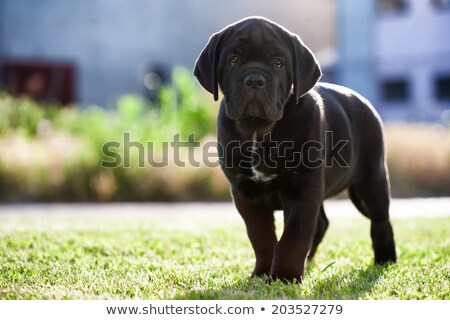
[{"x": 352, "y": 285}]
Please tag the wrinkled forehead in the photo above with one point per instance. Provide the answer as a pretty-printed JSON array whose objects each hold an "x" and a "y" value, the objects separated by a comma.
[{"x": 259, "y": 34}]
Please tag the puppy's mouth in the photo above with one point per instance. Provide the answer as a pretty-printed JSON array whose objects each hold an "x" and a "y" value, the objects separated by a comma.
[{"x": 254, "y": 115}]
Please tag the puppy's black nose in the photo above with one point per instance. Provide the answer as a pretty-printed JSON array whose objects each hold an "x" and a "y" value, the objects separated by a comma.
[{"x": 255, "y": 82}]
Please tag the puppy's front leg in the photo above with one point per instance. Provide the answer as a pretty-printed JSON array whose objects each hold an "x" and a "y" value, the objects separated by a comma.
[
  {"x": 260, "y": 224},
  {"x": 299, "y": 227}
]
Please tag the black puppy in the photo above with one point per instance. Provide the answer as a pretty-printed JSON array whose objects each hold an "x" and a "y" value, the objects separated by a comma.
[{"x": 287, "y": 142}]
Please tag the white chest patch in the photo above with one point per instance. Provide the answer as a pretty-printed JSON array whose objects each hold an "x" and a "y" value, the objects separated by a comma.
[{"x": 258, "y": 176}]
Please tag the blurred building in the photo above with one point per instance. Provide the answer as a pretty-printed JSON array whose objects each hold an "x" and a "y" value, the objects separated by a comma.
[
  {"x": 92, "y": 51},
  {"x": 397, "y": 53}
]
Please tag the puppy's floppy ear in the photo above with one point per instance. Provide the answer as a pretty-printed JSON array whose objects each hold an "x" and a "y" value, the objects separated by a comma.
[
  {"x": 306, "y": 68},
  {"x": 207, "y": 63}
]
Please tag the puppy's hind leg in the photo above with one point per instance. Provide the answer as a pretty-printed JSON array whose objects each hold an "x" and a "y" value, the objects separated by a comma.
[
  {"x": 322, "y": 225},
  {"x": 371, "y": 197}
]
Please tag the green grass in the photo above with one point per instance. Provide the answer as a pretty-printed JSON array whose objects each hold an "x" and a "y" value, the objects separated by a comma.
[{"x": 159, "y": 258}]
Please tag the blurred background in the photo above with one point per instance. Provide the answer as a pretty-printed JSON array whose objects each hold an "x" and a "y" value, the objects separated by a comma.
[{"x": 76, "y": 75}]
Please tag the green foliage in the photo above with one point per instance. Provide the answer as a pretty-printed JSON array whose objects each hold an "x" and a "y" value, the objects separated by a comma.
[
  {"x": 42, "y": 141},
  {"x": 21, "y": 116},
  {"x": 104, "y": 257},
  {"x": 181, "y": 108}
]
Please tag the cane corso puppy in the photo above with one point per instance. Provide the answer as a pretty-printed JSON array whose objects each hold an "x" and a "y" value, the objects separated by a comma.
[{"x": 287, "y": 142}]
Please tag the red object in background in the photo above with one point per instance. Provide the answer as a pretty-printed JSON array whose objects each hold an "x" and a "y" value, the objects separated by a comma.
[{"x": 42, "y": 81}]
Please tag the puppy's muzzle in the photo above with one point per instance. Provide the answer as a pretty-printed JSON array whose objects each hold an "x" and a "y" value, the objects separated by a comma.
[{"x": 254, "y": 82}]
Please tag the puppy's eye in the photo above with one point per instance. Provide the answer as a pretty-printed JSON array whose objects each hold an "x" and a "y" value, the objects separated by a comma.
[
  {"x": 278, "y": 62},
  {"x": 233, "y": 59}
]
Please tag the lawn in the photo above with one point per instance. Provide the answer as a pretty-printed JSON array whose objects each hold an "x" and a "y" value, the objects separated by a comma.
[{"x": 70, "y": 257}]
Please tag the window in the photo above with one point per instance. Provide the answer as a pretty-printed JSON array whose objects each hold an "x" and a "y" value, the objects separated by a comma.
[
  {"x": 40, "y": 80},
  {"x": 395, "y": 90},
  {"x": 442, "y": 88},
  {"x": 391, "y": 6},
  {"x": 441, "y": 4}
]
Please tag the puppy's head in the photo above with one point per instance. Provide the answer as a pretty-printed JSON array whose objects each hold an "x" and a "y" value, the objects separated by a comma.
[{"x": 258, "y": 65}]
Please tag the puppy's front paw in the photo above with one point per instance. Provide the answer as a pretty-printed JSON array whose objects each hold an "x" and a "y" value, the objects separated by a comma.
[{"x": 287, "y": 275}]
